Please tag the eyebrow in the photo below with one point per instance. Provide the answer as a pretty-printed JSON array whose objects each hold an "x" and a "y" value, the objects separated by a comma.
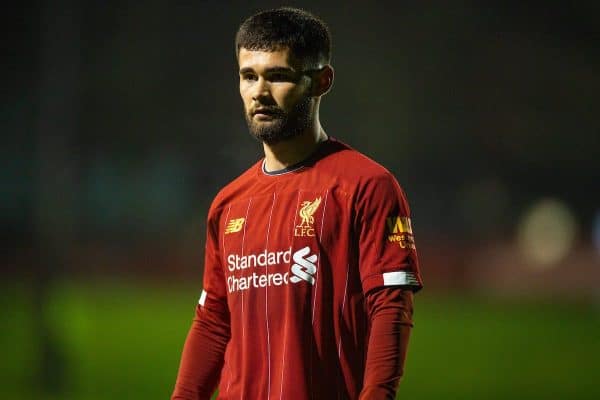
[{"x": 269, "y": 70}]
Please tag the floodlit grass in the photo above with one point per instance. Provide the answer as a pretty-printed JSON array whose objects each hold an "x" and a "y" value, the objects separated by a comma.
[
  {"x": 476, "y": 349},
  {"x": 123, "y": 341}
]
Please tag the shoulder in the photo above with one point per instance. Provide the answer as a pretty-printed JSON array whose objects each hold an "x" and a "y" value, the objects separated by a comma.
[
  {"x": 370, "y": 183},
  {"x": 356, "y": 168},
  {"x": 233, "y": 190}
]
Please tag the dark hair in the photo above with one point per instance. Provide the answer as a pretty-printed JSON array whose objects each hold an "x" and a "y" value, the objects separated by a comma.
[{"x": 304, "y": 34}]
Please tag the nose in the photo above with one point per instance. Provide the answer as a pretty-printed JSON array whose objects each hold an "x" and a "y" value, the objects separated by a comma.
[{"x": 261, "y": 89}]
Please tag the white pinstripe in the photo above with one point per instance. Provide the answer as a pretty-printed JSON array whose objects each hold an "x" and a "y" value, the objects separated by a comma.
[
  {"x": 243, "y": 241},
  {"x": 315, "y": 288},
  {"x": 225, "y": 228},
  {"x": 285, "y": 328},
  {"x": 319, "y": 259},
  {"x": 296, "y": 213},
  {"x": 343, "y": 306},
  {"x": 341, "y": 320},
  {"x": 222, "y": 254},
  {"x": 267, "y": 303}
]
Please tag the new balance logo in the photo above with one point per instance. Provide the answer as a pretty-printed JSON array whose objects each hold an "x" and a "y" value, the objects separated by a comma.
[
  {"x": 234, "y": 225},
  {"x": 304, "y": 268}
]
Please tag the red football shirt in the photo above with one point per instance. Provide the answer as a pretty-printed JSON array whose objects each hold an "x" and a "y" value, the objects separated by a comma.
[{"x": 290, "y": 256}]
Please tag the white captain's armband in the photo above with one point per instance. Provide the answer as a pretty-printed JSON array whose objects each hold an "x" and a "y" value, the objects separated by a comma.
[
  {"x": 202, "y": 299},
  {"x": 405, "y": 278}
]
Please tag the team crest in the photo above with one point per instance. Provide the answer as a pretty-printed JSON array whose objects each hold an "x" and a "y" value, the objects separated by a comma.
[{"x": 307, "y": 210}]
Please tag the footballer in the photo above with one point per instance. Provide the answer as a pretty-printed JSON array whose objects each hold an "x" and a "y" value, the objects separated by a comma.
[{"x": 310, "y": 261}]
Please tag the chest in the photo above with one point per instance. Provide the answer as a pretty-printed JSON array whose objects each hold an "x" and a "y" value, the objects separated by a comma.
[
  {"x": 284, "y": 236},
  {"x": 279, "y": 220}
]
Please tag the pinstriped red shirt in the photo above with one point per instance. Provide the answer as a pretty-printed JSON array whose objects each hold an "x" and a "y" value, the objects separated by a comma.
[{"x": 290, "y": 256}]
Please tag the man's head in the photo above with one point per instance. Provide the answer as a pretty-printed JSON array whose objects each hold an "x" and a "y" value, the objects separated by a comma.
[
  {"x": 303, "y": 33},
  {"x": 284, "y": 56}
]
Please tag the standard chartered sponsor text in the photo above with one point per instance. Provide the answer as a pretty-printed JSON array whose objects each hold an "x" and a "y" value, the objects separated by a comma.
[
  {"x": 263, "y": 259},
  {"x": 240, "y": 279},
  {"x": 257, "y": 280}
]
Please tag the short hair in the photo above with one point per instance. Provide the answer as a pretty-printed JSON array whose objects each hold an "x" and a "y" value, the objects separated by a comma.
[{"x": 306, "y": 35}]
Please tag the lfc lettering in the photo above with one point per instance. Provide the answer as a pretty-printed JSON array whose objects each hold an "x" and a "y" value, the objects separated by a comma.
[{"x": 303, "y": 231}]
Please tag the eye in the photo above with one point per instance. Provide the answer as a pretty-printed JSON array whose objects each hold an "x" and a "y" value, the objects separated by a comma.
[
  {"x": 249, "y": 77},
  {"x": 279, "y": 77},
  {"x": 284, "y": 76}
]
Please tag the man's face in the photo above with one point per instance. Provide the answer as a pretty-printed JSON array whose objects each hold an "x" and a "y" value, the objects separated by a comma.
[{"x": 276, "y": 94}]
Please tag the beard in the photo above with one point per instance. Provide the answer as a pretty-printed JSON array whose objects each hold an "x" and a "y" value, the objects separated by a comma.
[{"x": 283, "y": 125}]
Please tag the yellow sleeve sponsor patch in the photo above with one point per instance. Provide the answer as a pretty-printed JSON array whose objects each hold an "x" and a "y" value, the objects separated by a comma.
[{"x": 400, "y": 231}]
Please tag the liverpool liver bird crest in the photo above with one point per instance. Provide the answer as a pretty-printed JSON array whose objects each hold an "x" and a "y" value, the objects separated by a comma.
[{"x": 307, "y": 210}]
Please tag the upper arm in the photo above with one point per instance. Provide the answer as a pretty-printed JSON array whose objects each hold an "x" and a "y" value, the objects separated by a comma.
[
  {"x": 214, "y": 293},
  {"x": 386, "y": 246}
]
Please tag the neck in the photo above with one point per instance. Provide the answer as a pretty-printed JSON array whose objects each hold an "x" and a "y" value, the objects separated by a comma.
[{"x": 289, "y": 152}]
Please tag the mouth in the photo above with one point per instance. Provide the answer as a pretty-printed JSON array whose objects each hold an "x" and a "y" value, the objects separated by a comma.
[{"x": 264, "y": 112}]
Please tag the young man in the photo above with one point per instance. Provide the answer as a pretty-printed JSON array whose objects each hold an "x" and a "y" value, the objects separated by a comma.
[{"x": 310, "y": 261}]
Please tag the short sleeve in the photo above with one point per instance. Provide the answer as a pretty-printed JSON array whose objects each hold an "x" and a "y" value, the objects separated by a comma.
[
  {"x": 387, "y": 254},
  {"x": 214, "y": 293}
]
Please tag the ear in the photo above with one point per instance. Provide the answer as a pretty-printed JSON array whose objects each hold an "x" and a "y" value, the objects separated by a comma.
[{"x": 322, "y": 81}]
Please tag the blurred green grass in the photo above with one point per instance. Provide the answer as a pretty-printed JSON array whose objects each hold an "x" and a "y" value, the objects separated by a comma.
[{"x": 123, "y": 341}]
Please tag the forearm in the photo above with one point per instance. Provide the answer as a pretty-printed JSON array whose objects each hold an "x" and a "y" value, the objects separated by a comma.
[
  {"x": 203, "y": 355},
  {"x": 391, "y": 321}
]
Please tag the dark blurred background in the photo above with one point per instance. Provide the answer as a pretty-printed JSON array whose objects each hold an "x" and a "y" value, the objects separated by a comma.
[{"x": 121, "y": 120}]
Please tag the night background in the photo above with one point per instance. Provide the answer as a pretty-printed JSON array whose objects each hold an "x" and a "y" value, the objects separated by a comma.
[{"x": 121, "y": 120}]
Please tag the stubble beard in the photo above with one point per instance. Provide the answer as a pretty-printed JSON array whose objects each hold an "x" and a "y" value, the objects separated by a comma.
[{"x": 283, "y": 126}]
